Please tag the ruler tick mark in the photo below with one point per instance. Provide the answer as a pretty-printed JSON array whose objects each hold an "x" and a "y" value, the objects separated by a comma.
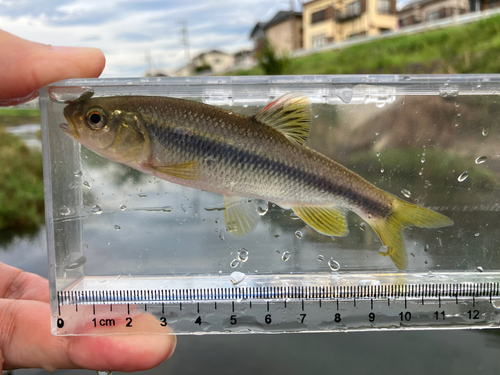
[{"x": 302, "y": 305}]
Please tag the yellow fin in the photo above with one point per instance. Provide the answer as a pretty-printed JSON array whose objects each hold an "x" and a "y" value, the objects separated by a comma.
[
  {"x": 290, "y": 114},
  {"x": 188, "y": 171},
  {"x": 326, "y": 220},
  {"x": 404, "y": 214},
  {"x": 241, "y": 215}
]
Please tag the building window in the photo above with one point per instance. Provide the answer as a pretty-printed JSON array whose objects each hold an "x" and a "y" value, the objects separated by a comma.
[
  {"x": 318, "y": 16},
  {"x": 318, "y": 40},
  {"x": 432, "y": 16},
  {"x": 353, "y": 9},
  {"x": 384, "y": 6}
]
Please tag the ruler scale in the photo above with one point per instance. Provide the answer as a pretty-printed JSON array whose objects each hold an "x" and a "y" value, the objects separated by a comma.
[{"x": 272, "y": 309}]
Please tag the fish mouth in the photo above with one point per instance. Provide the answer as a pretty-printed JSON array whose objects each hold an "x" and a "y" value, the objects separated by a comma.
[{"x": 68, "y": 129}]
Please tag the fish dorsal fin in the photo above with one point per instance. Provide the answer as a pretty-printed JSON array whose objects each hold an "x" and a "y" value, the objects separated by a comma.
[
  {"x": 290, "y": 114},
  {"x": 326, "y": 220},
  {"x": 188, "y": 171},
  {"x": 241, "y": 215}
]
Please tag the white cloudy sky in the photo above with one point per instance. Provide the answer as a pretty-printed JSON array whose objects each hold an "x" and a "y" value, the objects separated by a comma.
[{"x": 126, "y": 29}]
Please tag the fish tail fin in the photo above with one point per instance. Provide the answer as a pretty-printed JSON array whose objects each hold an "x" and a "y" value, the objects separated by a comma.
[{"x": 404, "y": 215}]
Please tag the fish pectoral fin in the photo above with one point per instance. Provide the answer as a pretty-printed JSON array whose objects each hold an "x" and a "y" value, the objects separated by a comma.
[
  {"x": 241, "y": 215},
  {"x": 188, "y": 171},
  {"x": 331, "y": 221},
  {"x": 290, "y": 114}
]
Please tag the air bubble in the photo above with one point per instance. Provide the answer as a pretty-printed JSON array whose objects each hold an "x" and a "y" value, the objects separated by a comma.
[
  {"x": 235, "y": 263},
  {"x": 484, "y": 132},
  {"x": 237, "y": 277},
  {"x": 86, "y": 184},
  {"x": 143, "y": 195},
  {"x": 481, "y": 159},
  {"x": 123, "y": 207},
  {"x": 362, "y": 226},
  {"x": 479, "y": 268},
  {"x": 426, "y": 248},
  {"x": 294, "y": 216},
  {"x": 276, "y": 235},
  {"x": 321, "y": 258},
  {"x": 262, "y": 207},
  {"x": 96, "y": 210},
  {"x": 117, "y": 227},
  {"x": 74, "y": 260},
  {"x": 333, "y": 264},
  {"x": 298, "y": 234},
  {"x": 286, "y": 255},
  {"x": 406, "y": 193},
  {"x": 422, "y": 160},
  {"x": 221, "y": 234},
  {"x": 64, "y": 211},
  {"x": 463, "y": 176},
  {"x": 243, "y": 255},
  {"x": 78, "y": 173}
]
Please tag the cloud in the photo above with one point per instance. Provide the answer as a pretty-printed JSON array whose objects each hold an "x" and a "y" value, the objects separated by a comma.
[{"x": 126, "y": 29}]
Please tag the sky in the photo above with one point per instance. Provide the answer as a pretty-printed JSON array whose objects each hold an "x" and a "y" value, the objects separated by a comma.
[{"x": 127, "y": 30}]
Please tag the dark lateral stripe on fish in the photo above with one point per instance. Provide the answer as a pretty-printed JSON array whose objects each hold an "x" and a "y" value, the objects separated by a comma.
[{"x": 195, "y": 143}]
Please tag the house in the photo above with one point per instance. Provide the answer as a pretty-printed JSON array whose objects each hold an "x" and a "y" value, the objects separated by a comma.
[
  {"x": 283, "y": 31},
  {"x": 430, "y": 10},
  {"x": 327, "y": 21},
  {"x": 212, "y": 62},
  {"x": 243, "y": 59}
]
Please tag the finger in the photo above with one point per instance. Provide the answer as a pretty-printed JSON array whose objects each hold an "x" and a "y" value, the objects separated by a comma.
[
  {"x": 26, "y": 342},
  {"x": 27, "y": 66},
  {"x": 17, "y": 284}
]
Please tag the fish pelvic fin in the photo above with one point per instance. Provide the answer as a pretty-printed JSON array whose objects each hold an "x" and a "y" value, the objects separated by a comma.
[
  {"x": 188, "y": 171},
  {"x": 331, "y": 221},
  {"x": 290, "y": 114},
  {"x": 241, "y": 215},
  {"x": 404, "y": 215}
]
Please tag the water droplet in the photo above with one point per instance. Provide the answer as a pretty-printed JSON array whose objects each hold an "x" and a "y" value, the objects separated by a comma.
[
  {"x": 78, "y": 173},
  {"x": 316, "y": 116},
  {"x": 235, "y": 263},
  {"x": 484, "y": 132},
  {"x": 383, "y": 250},
  {"x": 378, "y": 154},
  {"x": 262, "y": 206},
  {"x": 406, "y": 78},
  {"x": 426, "y": 248},
  {"x": 362, "y": 226},
  {"x": 413, "y": 255},
  {"x": 108, "y": 243},
  {"x": 479, "y": 268},
  {"x": 321, "y": 258},
  {"x": 426, "y": 261},
  {"x": 463, "y": 176},
  {"x": 123, "y": 207},
  {"x": 481, "y": 159},
  {"x": 96, "y": 210},
  {"x": 422, "y": 160},
  {"x": 406, "y": 193},
  {"x": 221, "y": 234},
  {"x": 286, "y": 255},
  {"x": 477, "y": 234},
  {"x": 333, "y": 264},
  {"x": 277, "y": 235},
  {"x": 421, "y": 172},
  {"x": 380, "y": 103},
  {"x": 381, "y": 170},
  {"x": 86, "y": 184},
  {"x": 217, "y": 221},
  {"x": 294, "y": 216},
  {"x": 243, "y": 255},
  {"x": 64, "y": 211},
  {"x": 298, "y": 234},
  {"x": 143, "y": 195},
  {"x": 74, "y": 260},
  {"x": 237, "y": 277},
  {"x": 427, "y": 184}
]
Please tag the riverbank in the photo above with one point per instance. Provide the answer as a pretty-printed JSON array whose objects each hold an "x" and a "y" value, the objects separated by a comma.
[
  {"x": 21, "y": 184},
  {"x": 16, "y": 116}
]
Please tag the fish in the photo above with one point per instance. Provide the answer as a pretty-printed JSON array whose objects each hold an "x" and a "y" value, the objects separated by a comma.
[{"x": 245, "y": 159}]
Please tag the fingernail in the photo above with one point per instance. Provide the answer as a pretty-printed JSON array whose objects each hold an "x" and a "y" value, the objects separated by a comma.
[{"x": 17, "y": 101}]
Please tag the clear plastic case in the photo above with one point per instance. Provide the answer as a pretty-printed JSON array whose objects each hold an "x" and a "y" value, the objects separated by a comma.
[{"x": 430, "y": 140}]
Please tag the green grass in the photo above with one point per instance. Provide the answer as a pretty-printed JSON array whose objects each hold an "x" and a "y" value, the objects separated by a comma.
[
  {"x": 21, "y": 185},
  {"x": 469, "y": 48},
  {"x": 15, "y": 116}
]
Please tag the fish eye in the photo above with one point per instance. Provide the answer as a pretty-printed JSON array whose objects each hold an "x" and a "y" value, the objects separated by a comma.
[{"x": 96, "y": 118}]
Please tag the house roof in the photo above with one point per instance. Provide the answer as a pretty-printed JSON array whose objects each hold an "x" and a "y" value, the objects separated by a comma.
[
  {"x": 201, "y": 55},
  {"x": 257, "y": 27},
  {"x": 281, "y": 16},
  {"x": 417, "y": 3}
]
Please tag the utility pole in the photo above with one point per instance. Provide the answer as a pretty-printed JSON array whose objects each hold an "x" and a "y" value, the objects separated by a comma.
[{"x": 185, "y": 40}]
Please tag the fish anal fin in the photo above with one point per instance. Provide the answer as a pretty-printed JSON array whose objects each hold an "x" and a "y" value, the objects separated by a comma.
[
  {"x": 188, "y": 171},
  {"x": 331, "y": 221},
  {"x": 290, "y": 114},
  {"x": 241, "y": 215}
]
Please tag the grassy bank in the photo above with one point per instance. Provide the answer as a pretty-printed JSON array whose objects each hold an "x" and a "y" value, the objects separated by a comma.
[
  {"x": 470, "y": 48},
  {"x": 21, "y": 185},
  {"x": 15, "y": 116}
]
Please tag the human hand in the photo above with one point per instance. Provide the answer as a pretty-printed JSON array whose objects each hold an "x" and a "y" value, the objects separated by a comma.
[
  {"x": 27, "y": 66},
  {"x": 26, "y": 341}
]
